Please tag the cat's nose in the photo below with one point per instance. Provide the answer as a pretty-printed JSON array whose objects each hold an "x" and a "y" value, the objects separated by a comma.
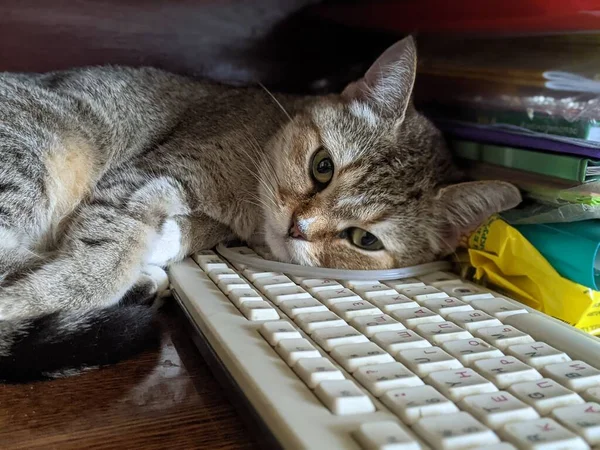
[{"x": 295, "y": 230}]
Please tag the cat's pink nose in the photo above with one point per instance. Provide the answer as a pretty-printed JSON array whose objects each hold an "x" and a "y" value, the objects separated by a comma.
[{"x": 295, "y": 231}]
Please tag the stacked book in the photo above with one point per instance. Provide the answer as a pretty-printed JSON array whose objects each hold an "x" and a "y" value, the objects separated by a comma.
[{"x": 527, "y": 110}]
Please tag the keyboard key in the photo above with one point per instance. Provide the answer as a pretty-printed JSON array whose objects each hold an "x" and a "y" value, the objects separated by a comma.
[
  {"x": 466, "y": 292},
  {"x": 545, "y": 395},
  {"x": 389, "y": 303},
  {"x": 448, "y": 305},
  {"x": 370, "y": 325},
  {"x": 228, "y": 285},
  {"x": 316, "y": 370},
  {"x": 209, "y": 262},
  {"x": 380, "y": 378},
  {"x": 279, "y": 281},
  {"x": 423, "y": 293},
  {"x": 275, "y": 331},
  {"x": 353, "y": 356},
  {"x": 304, "y": 305},
  {"x": 309, "y": 322},
  {"x": 394, "y": 341},
  {"x": 505, "y": 371},
  {"x": 469, "y": 350},
  {"x": 413, "y": 403},
  {"x": 351, "y": 284},
  {"x": 442, "y": 332},
  {"x": 279, "y": 295},
  {"x": 259, "y": 310},
  {"x": 314, "y": 285},
  {"x": 592, "y": 394},
  {"x": 411, "y": 317},
  {"x": 575, "y": 375},
  {"x": 500, "y": 446},
  {"x": 437, "y": 279},
  {"x": 424, "y": 361},
  {"x": 291, "y": 350},
  {"x": 583, "y": 420},
  {"x": 220, "y": 274},
  {"x": 239, "y": 296},
  {"x": 404, "y": 283},
  {"x": 254, "y": 275},
  {"x": 329, "y": 338},
  {"x": 503, "y": 336},
  {"x": 537, "y": 354},
  {"x": 343, "y": 397},
  {"x": 472, "y": 320},
  {"x": 331, "y": 297},
  {"x": 454, "y": 431},
  {"x": 542, "y": 434},
  {"x": 349, "y": 310},
  {"x": 385, "y": 436},
  {"x": 459, "y": 383},
  {"x": 496, "y": 409},
  {"x": 498, "y": 307},
  {"x": 368, "y": 291}
]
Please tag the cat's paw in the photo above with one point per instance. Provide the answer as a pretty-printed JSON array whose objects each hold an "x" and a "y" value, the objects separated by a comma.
[{"x": 150, "y": 289}]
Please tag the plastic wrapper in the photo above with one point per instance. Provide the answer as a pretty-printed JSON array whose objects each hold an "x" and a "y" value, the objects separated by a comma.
[
  {"x": 547, "y": 84},
  {"x": 504, "y": 259}
]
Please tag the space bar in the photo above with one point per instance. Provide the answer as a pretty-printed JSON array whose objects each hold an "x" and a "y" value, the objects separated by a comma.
[{"x": 575, "y": 343}]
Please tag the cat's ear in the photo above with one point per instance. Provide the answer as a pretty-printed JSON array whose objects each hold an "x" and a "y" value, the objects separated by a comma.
[
  {"x": 387, "y": 86},
  {"x": 463, "y": 207}
]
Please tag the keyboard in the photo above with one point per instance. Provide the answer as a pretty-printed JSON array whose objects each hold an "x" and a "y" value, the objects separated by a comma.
[{"x": 433, "y": 362}]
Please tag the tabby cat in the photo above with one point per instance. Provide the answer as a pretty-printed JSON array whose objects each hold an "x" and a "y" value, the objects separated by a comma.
[{"x": 108, "y": 175}]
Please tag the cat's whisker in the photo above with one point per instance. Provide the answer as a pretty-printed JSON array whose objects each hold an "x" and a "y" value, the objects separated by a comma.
[{"x": 275, "y": 100}]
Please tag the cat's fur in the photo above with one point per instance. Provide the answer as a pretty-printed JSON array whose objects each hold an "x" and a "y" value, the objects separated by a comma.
[{"x": 108, "y": 173}]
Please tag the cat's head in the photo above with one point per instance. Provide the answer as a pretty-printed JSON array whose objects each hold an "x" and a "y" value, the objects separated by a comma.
[{"x": 361, "y": 180}]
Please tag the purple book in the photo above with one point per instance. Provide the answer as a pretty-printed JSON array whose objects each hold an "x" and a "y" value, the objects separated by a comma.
[{"x": 521, "y": 139}]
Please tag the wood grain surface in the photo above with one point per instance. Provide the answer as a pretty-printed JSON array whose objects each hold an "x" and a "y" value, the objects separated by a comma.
[{"x": 165, "y": 398}]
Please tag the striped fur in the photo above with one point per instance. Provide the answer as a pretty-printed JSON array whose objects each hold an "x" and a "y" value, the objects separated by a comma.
[{"x": 109, "y": 174}]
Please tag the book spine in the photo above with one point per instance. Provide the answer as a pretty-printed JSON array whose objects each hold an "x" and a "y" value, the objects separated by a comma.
[{"x": 540, "y": 122}]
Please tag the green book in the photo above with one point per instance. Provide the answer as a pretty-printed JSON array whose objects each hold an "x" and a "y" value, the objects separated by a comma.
[
  {"x": 566, "y": 167},
  {"x": 555, "y": 124}
]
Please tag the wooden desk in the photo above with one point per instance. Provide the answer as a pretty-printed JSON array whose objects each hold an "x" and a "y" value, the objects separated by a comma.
[{"x": 163, "y": 399}]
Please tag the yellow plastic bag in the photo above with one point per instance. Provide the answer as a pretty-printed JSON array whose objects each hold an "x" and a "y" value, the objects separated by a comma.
[{"x": 502, "y": 257}]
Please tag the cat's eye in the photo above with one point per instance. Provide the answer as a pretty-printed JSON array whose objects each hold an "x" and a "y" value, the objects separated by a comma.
[
  {"x": 362, "y": 239},
  {"x": 321, "y": 167}
]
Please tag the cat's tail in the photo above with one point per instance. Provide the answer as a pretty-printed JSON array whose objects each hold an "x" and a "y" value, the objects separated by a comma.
[{"x": 68, "y": 342}]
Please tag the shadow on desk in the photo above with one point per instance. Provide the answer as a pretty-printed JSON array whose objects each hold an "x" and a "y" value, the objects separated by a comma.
[{"x": 165, "y": 398}]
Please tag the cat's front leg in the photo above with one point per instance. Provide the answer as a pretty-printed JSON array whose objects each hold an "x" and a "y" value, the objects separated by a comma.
[{"x": 101, "y": 256}]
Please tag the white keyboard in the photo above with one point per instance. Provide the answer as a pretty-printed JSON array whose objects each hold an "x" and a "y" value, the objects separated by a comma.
[{"x": 427, "y": 363}]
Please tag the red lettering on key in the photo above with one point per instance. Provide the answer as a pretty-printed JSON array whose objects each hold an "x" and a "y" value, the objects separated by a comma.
[
  {"x": 507, "y": 330},
  {"x": 341, "y": 291},
  {"x": 546, "y": 427},
  {"x": 474, "y": 343},
  {"x": 445, "y": 325},
  {"x": 501, "y": 398},
  {"x": 420, "y": 311},
  {"x": 544, "y": 384},
  {"x": 358, "y": 303},
  {"x": 578, "y": 366},
  {"x": 404, "y": 334},
  {"x": 591, "y": 409},
  {"x": 506, "y": 361},
  {"x": 463, "y": 374}
]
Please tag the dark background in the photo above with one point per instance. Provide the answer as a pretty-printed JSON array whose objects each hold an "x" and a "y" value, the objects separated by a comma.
[{"x": 285, "y": 44}]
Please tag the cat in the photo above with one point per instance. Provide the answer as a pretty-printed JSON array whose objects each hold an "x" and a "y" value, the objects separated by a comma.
[{"x": 108, "y": 175}]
